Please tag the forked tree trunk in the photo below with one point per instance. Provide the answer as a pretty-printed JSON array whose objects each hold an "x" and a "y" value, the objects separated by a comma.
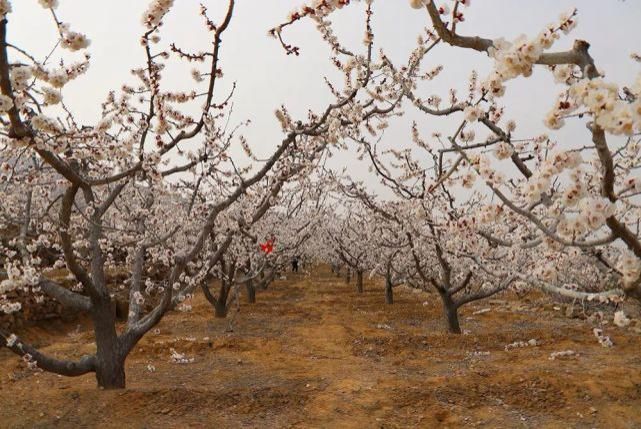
[
  {"x": 389, "y": 291},
  {"x": 110, "y": 359},
  {"x": 265, "y": 281},
  {"x": 264, "y": 284},
  {"x": 359, "y": 281},
  {"x": 220, "y": 303},
  {"x": 450, "y": 311},
  {"x": 251, "y": 291}
]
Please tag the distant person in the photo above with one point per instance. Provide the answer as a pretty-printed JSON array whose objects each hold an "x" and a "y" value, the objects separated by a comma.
[{"x": 295, "y": 264}]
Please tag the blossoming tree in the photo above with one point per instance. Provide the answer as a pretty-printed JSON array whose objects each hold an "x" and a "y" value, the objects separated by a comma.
[
  {"x": 567, "y": 199},
  {"x": 144, "y": 190}
]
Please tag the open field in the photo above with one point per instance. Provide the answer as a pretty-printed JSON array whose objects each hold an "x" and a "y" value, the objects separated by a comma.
[{"x": 314, "y": 353}]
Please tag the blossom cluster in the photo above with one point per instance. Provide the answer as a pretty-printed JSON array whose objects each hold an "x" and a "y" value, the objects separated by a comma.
[
  {"x": 490, "y": 213},
  {"x": 486, "y": 169},
  {"x": 601, "y": 100},
  {"x": 5, "y": 8},
  {"x": 540, "y": 182},
  {"x": 517, "y": 58},
  {"x": 630, "y": 267},
  {"x": 72, "y": 40},
  {"x": 156, "y": 12}
]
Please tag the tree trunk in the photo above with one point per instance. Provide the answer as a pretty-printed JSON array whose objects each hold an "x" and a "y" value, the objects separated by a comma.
[
  {"x": 264, "y": 284},
  {"x": 110, "y": 372},
  {"x": 359, "y": 281},
  {"x": 265, "y": 281},
  {"x": 220, "y": 309},
  {"x": 451, "y": 315},
  {"x": 251, "y": 291},
  {"x": 110, "y": 360},
  {"x": 220, "y": 306},
  {"x": 389, "y": 291}
]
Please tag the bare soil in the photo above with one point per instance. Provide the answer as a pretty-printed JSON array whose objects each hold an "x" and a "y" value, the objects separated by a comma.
[{"x": 313, "y": 353}]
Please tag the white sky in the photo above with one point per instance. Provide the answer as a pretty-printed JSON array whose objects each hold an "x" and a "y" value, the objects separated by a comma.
[{"x": 267, "y": 78}]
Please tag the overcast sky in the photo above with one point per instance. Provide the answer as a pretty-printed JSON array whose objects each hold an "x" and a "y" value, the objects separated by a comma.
[{"x": 267, "y": 78}]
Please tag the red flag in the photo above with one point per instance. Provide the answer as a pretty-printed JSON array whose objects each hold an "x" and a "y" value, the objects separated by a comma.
[{"x": 267, "y": 247}]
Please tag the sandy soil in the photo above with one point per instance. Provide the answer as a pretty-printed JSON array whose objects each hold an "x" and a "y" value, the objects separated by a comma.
[{"x": 312, "y": 353}]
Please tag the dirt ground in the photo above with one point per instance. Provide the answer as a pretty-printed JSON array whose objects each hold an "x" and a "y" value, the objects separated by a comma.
[{"x": 313, "y": 353}]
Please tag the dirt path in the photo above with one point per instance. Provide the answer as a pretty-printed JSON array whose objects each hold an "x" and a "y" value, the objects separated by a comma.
[{"x": 314, "y": 353}]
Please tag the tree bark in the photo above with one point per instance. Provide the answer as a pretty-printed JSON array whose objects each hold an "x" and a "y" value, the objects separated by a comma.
[
  {"x": 220, "y": 309},
  {"x": 110, "y": 359},
  {"x": 389, "y": 291},
  {"x": 251, "y": 291},
  {"x": 220, "y": 303},
  {"x": 450, "y": 310},
  {"x": 110, "y": 373},
  {"x": 359, "y": 281},
  {"x": 265, "y": 280}
]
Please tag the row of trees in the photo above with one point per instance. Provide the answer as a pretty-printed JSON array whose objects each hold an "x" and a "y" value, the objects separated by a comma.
[
  {"x": 473, "y": 216},
  {"x": 152, "y": 191}
]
